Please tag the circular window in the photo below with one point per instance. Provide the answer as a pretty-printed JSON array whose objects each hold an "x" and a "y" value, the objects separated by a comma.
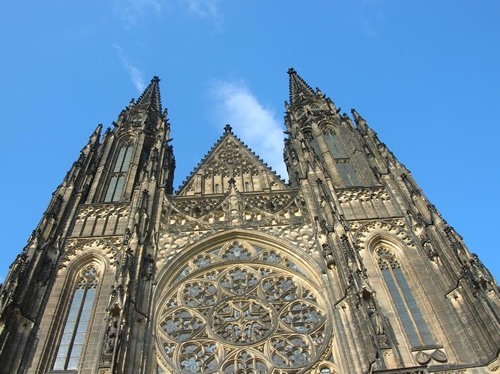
[{"x": 243, "y": 309}]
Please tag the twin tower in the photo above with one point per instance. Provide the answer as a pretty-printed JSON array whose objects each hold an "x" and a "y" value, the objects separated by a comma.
[{"x": 347, "y": 268}]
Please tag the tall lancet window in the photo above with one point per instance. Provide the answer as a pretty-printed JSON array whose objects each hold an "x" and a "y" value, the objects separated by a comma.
[
  {"x": 344, "y": 166},
  {"x": 119, "y": 173},
  {"x": 406, "y": 306},
  {"x": 334, "y": 145},
  {"x": 75, "y": 328}
]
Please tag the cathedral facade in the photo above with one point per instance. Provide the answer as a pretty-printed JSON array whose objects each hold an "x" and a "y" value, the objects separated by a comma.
[{"x": 347, "y": 268}]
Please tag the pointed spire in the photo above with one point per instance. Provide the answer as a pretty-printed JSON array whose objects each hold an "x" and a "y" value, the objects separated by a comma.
[
  {"x": 299, "y": 89},
  {"x": 151, "y": 95},
  {"x": 360, "y": 122}
]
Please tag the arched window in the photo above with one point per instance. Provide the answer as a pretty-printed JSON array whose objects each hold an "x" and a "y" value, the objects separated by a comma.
[
  {"x": 347, "y": 173},
  {"x": 119, "y": 173},
  {"x": 334, "y": 145},
  {"x": 344, "y": 166},
  {"x": 75, "y": 328},
  {"x": 406, "y": 306}
]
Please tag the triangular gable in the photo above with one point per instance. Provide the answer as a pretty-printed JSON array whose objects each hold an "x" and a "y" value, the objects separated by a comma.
[{"x": 230, "y": 159}]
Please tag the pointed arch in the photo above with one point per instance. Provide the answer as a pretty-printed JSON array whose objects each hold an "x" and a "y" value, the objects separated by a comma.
[
  {"x": 390, "y": 273},
  {"x": 119, "y": 170},
  {"x": 76, "y": 326},
  {"x": 402, "y": 297},
  {"x": 65, "y": 332}
]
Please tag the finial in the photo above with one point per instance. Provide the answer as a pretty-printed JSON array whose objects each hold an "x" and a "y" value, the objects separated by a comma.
[
  {"x": 228, "y": 129},
  {"x": 360, "y": 122},
  {"x": 291, "y": 70},
  {"x": 155, "y": 79}
]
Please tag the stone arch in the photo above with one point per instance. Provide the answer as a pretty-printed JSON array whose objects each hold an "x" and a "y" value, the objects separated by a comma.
[
  {"x": 79, "y": 249},
  {"x": 385, "y": 251},
  {"x": 393, "y": 231},
  {"x": 260, "y": 237},
  {"x": 241, "y": 297},
  {"x": 59, "y": 303}
]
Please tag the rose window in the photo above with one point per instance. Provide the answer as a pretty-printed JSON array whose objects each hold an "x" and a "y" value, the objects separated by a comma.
[{"x": 242, "y": 309}]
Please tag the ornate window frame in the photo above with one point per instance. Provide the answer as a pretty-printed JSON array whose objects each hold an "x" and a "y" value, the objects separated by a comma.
[
  {"x": 400, "y": 292},
  {"x": 119, "y": 170},
  {"x": 217, "y": 291},
  {"x": 80, "y": 306}
]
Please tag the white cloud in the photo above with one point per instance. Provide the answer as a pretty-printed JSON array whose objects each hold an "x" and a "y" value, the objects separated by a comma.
[
  {"x": 132, "y": 10},
  {"x": 133, "y": 71},
  {"x": 203, "y": 8},
  {"x": 256, "y": 125}
]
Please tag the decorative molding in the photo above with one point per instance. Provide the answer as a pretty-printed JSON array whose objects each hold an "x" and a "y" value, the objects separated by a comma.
[
  {"x": 362, "y": 194},
  {"x": 280, "y": 214},
  {"x": 394, "y": 227},
  {"x": 75, "y": 247},
  {"x": 102, "y": 210}
]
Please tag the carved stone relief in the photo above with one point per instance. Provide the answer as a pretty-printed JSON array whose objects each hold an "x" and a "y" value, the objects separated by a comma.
[
  {"x": 99, "y": 219},
  {"x": 280, "y": 214},
  {"x": 395, "y": 227},
  {"x": 363, "y": 194},
  {"x": 74, "y": 247}
]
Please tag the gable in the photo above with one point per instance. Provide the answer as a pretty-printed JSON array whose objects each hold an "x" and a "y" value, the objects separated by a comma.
[{"x": 230, "y": 159}]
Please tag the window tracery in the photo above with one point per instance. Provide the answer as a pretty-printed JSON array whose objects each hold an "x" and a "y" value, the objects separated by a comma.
[
  {"x": 242, "y": 308},
  {"x": 75, "y": 328},
  {"x": 408, "y": 310},
  {"x": 119, "y": 173}
]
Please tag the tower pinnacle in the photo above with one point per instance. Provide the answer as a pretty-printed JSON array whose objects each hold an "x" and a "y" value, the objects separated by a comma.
[
  {"x": 151, "y": 95},
  {"x": 299, "y": 89}
]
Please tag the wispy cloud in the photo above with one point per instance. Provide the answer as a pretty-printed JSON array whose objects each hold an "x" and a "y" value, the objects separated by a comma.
[
  {"x": 204, "y": 8},
  {"x": 257, "y": 125},
  {"x": 132, "y": 10},
  {"x": 370, "y": 17},
  {"x": 133, "y": 71}
]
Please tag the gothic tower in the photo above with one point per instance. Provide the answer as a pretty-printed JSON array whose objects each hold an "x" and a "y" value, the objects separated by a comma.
[{"x": 348, "y": 268}]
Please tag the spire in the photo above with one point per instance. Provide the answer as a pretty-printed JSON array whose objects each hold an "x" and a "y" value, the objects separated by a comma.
[
  {"x": 360, "y": 122},
  {"x": 151, "y": 95},
  {"x": 299, "y": 89}
]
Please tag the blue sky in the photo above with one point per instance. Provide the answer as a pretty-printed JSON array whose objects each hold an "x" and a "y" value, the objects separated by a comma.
[{"x": 424, "y": 74}]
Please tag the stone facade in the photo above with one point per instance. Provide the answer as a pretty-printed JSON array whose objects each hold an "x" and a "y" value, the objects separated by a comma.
[{"x": 348, "y": 268}]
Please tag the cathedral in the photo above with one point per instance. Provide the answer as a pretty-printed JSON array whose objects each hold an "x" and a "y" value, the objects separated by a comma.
[{"x": 346, "y": 269}]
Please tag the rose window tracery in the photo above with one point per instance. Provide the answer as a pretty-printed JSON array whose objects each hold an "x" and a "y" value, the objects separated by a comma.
[{"x": 242, "y": 309}]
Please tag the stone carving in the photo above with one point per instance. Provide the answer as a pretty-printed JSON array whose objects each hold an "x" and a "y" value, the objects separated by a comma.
[
  {"x": 246, "y": 361},
  {"x": 45, "y": 270},
  {"x": 74, "y": 247},
  {"x": 394, "y": 227},
  {"x": 277, "y": 208},
  {"x": 172, "y": 243},
  {"x": 148, "y": 267},
  {"x": 439, "y": 356},
  {"x": 423, "y": 358},
  {"x": 230, "y": 161},
  {"x": 243, "y": 308},
  {"x": 99, "y": 219},
  {"x": 102, "y": 210},
  {"x": 231, "y": 158},
  {"x": 290, "y": 222},
  {"x": 242, "y": 320},
  {"x": 363, "y": 194}
]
